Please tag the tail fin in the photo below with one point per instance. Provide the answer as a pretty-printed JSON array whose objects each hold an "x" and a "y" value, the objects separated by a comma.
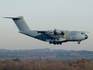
[{"x": 20, "y": 23}]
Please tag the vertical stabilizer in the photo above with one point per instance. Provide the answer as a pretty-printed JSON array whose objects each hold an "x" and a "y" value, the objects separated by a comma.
[{"x": 20, "y": 23}]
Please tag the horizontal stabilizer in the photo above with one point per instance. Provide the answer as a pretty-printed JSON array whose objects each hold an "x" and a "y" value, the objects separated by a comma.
[{"x": 14, "y": 17}]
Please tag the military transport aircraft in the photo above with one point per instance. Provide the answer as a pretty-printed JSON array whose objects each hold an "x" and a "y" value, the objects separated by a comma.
[{"x": 56, "y": 37}]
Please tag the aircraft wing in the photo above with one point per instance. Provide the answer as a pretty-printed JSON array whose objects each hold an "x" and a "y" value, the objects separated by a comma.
[
  {"x": 51, "y": 34},
  {"x": 83, "y": 31}
]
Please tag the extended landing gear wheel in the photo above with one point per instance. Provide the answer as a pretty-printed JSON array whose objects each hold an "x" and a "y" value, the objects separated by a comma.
[
  {"x": 79, "y": 42},
  {"x": 60, "y": 43},
  {"x": 55, "y": 43}
]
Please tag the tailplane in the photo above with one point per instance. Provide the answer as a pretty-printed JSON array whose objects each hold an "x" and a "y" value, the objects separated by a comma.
[{"x": 20, "y": 23}]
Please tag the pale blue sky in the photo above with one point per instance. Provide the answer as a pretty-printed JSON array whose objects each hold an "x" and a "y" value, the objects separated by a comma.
[{"x": 46, "y": 15}]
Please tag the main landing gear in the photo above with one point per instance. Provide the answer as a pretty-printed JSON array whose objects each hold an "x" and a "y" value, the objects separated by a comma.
[{"x": 55, "y": 43}]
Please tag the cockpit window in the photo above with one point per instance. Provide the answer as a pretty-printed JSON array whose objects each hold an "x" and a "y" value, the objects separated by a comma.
[{"x": 82, "y": 33}]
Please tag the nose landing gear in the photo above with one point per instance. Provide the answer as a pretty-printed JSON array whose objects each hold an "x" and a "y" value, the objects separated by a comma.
[{"x": 79, "y": 42}]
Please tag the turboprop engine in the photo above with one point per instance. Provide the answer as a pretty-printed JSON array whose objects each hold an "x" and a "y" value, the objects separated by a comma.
[{"x": 57, "y": 32}]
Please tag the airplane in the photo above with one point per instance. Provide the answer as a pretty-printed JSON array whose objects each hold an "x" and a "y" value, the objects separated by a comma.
[{"x": 56, "y": 37}]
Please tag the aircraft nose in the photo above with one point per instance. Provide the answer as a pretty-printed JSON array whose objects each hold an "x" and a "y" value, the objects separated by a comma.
[{"x": 86, "y": 36}]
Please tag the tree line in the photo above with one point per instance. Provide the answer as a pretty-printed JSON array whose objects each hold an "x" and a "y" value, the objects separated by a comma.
[{"x": 17, "y": 64}]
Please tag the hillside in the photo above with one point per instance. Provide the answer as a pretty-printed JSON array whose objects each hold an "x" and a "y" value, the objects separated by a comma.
[{"x": 46, "y": 54}]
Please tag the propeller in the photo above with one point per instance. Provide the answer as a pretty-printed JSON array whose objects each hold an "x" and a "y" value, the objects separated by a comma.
[{"x": 56, "y": 32}]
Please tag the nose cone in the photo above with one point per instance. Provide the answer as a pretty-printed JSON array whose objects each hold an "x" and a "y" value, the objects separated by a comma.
[{"x": 86, "y": 36}]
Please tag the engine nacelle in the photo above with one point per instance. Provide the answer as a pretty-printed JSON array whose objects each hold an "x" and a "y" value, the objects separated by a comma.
[{"x": 57, "y": 32}]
